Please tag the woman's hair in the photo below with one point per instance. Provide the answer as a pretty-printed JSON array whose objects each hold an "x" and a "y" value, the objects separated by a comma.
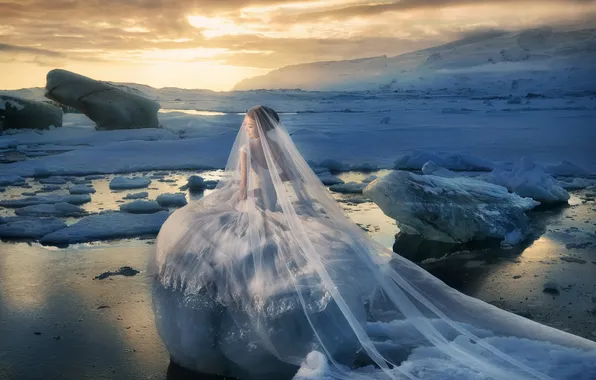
[{"x": 266, "y": 116}]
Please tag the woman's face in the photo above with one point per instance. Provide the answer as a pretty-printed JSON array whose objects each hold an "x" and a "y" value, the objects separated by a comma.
[{"x": 251, "y": 127}]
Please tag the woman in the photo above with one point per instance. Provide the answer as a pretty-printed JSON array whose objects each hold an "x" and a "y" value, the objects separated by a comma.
[{"x": 266, "y": 278}]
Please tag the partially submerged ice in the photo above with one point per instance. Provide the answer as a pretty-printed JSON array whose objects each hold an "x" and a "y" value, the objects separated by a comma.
[{"x": 453, "y": 210}]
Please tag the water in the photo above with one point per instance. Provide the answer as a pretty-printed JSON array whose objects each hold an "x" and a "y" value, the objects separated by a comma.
[{"x": 105, "y": 329}]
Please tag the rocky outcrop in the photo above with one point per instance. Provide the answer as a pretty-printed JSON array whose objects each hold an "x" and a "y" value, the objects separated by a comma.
[
  {"x": 22, "y": 113},
  {"x": 108, "y": 106}
]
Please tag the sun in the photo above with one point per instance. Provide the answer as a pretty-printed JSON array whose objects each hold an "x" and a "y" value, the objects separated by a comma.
[{"x": 216, "y": 26}]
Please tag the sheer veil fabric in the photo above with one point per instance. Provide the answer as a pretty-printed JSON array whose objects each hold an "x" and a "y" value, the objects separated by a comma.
[{"x": 267, "y": 273}]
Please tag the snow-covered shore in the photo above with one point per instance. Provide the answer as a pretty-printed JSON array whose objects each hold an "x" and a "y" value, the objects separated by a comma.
[{"x": 347, "y": 133}]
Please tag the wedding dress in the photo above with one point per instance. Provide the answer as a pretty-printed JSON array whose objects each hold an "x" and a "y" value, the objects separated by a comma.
[{"x": 266, "y": 278}]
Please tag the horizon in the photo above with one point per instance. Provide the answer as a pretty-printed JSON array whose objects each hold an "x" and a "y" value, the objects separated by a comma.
[{"x": 152, "y": 44}]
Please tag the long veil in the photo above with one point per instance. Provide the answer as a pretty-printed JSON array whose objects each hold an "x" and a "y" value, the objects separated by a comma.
[{"x": 267, "y": 278}]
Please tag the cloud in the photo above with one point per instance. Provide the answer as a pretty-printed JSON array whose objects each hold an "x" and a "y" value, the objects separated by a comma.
[
  {"x": 366, "y": 10},
  {"x": 260, "y": 34},
  {"x": 6, "y": 48},
  {"x": 255, "y": 51}
]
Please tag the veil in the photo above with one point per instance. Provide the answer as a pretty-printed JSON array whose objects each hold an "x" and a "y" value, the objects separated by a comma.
[{"x": 267, "y": 278}]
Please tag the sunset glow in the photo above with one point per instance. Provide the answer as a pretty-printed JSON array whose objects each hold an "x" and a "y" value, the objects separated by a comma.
[{"x": 214, "y": 44}]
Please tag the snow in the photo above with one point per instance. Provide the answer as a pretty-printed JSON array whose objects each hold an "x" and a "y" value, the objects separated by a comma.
[
  {"x": 53, "y": 181},
  {"x": 329, "y": 179},
  {"x": 28, "y": 201},
  {"x": 575, "y": 183},
  {"x": 142, "y": 194},
  {"x": 566, "y": 169},
  {"x": 78, "y": 132},
  {"x": 430, "y": 168},
  {"x": 314, "y": 366},
  {"x": 80, "y": 181},
  {"x": 122, "y": 183},
  {"x": 107, "y": 226},
  {"x": 453, "y": 210},
  {"x": 330, "y": 165},
  {"x": 429, "y": 363},
  {"x": 141, "y": 207},
  {"x": 452, "y": 161},
  {"x": 11, "y": 180},
  {"x": 332, "y": 141},
  {"x": 348, "y": 188},
  {"x": 172, "y": 200},
  {"x": 81, "y": 189},
  {"x": 493, "y": 63},
  {"x": 529, "y": 179},
  {"x": 456, "y": 116},
  {"x": 51, "y": 209},
  {"x": 13, "y": 103},
  {"x": 49, "y": 188},
  {"x": 23, "y": 227}
]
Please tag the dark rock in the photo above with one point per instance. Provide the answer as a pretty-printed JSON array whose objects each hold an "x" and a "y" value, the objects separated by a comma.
[
  {"x": 123, "y": 271},
  {"x": 109, "y": 106},
  {"x": 23, "y": 113}
]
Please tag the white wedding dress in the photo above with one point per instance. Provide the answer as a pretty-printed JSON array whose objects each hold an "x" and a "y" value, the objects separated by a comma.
[{"x": 266, "y": 278}]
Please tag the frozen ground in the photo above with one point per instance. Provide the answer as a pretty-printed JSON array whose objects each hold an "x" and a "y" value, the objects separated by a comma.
[
  {"x": 542, "y": 59},
  {"x": 344, "y": 127}
]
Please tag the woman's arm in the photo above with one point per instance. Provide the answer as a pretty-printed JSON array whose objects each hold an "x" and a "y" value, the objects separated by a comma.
[
  {"x": 286, "y": 174},
  {"x": 243, "y": 176}
]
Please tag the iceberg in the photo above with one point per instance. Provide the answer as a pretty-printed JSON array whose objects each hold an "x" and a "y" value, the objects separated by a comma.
[
  {"x": 452, "y": 210},
  {"x": 107, "y": 226},
  {"x": 78, "y": 199},
  {"x": 171, "y": 200},
  {"x": 24, "y": 227},
  {"x": 122, "y": 183},
  {"x": 141, "y": 207},
  {"x": 529, "y": 179},
  {"x": 60, "y": 209},
  {"x": 452, "y": 161}
]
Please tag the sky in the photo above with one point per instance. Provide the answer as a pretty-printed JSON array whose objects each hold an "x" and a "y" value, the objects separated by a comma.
[{"x": 213, "y": 44}]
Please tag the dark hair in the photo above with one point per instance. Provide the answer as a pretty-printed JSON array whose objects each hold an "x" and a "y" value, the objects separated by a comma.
[{"x": 265, "y": 116}]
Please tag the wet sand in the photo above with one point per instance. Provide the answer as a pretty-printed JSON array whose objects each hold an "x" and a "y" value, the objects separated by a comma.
[{"x": 58, "y": 322}]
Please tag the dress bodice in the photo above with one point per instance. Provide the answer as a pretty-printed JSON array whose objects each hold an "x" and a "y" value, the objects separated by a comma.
[{"x": 260, "y": 183}]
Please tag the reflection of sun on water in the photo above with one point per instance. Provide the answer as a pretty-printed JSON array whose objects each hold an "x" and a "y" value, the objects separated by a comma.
[
  {"x": 30, "y": 292},
  {"x": 193, "y": 112},
  {"x": 544, "y": 248}
]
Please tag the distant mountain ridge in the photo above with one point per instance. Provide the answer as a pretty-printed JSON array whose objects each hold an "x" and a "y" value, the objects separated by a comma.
[{"x": 541, "y": 59}]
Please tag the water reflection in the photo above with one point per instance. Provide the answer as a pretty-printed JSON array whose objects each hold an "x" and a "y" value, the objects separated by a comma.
[
  {"x": 193, "y": 112},
  {"x": 56, "y": 320},
  {"x": 176, "y": 372}
]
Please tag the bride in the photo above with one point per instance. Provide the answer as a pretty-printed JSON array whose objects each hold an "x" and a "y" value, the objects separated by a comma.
[{"x": 266, "y": 278}]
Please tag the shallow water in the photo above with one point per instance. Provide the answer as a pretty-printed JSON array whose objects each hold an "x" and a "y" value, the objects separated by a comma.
[{"x": 104, "y": 328}]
